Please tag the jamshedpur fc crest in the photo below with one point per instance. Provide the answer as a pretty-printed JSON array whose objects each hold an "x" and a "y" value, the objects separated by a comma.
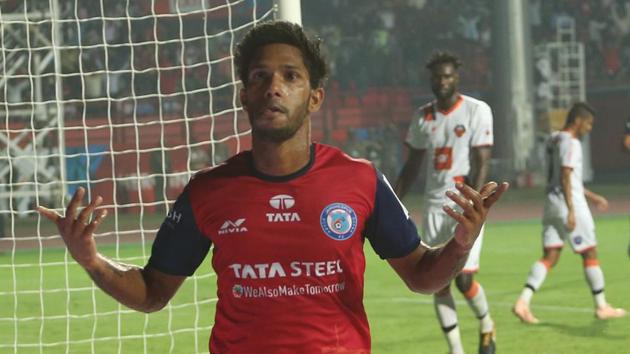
[{"x": 338, "y": 221}]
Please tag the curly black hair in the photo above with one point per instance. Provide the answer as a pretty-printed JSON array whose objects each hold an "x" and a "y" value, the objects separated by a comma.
[
  {"x": 441, "y": 57},
  {"x": 285, "y": 33}
]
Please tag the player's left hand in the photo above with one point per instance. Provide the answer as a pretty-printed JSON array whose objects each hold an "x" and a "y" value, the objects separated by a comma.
[{"x": 475, "y": 207}]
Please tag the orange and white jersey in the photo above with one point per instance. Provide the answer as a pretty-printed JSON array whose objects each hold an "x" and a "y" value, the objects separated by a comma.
[
  {"x": 564, "y": 150},
  {"x": 447, "y": 137}
]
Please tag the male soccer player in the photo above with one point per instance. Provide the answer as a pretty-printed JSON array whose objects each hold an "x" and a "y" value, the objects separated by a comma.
[
  {"x": 567, "y": 216},
  {"x": 287, "y": 220},
  {"x": 455, "y": 134}
]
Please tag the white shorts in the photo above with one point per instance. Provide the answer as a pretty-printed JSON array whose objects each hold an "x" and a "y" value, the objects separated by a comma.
[
  {"x": 555, "y": 233},
  {"x": 438, "y": 228}
]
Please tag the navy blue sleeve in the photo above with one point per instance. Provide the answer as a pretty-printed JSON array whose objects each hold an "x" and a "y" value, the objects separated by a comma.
[
  {"x": 389, "y": 229},
  {"x": 179, "y": 247}
]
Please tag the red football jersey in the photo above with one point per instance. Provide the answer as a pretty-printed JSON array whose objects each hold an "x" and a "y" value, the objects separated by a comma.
[{"x": 288, "y": 251}]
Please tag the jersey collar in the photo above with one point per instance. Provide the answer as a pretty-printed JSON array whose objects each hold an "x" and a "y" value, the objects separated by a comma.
[
  {"x": 460, "y": 99},
  {"x": 285, "y": 178}
]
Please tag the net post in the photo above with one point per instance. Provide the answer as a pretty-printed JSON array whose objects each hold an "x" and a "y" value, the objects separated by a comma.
[
  {"x": 289, "y": 10},
  {"x": 57, "y": 42}
]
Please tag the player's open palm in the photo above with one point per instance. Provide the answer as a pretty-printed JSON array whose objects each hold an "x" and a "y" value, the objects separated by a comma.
[
  {"x": 475, "y": 206},
  {"x": 75, "y": 227}
]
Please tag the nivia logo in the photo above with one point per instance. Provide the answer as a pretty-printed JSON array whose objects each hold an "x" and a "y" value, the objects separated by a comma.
[
  {"x": 232, "y": 227},
  {"x": 282, "y": 202}
]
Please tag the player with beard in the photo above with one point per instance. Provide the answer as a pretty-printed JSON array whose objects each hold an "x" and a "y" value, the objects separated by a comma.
[
  {"x": 454, "y": 134},
  {"x": 287, "y": 221}
]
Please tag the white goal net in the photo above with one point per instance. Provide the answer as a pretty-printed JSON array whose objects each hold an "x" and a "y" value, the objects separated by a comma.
[{"x": 126, "y": 98}]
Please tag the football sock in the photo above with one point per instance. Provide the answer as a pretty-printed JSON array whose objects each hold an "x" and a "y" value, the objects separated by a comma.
[
  {"x": 595, "y": 278},
  {"x": 536, "y": 277},
  {"x": 447, "y": 316},
  {"x": 477, "y": 301}
]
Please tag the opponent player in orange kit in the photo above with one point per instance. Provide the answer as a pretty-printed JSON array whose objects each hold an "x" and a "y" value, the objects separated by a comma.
[
  {"x": 454, "y": 133},
  {"x": 567, "y": 217}
]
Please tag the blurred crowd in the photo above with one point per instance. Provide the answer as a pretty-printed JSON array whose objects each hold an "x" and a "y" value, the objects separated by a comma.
[
  {"x": 376, "y": 43},
  {"x": 603, "y": 26},
  {"x": 119, "y": 58},
  {"x": 387, "y": 43}
]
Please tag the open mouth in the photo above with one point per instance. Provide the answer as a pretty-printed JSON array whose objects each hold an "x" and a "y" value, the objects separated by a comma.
[{"x": 274, "y": 108}]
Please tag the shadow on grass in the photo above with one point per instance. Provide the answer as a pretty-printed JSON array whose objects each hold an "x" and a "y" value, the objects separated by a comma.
[{"x": 596, "y": 329}]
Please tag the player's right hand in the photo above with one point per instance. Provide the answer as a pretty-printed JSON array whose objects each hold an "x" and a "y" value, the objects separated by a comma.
[
  {"x": 475, "y": 207},
  {"x": 77, "y": 230}
]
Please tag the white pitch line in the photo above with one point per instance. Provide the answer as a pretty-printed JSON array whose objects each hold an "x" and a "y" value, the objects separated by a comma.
[{"x": 424, "y": 301}]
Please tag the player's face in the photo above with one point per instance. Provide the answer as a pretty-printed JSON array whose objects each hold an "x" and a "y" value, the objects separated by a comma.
[
  {"x": 278, "y": 96},
  {"x": 584, "y": 125},
  {"x": 444, "y": 81}
]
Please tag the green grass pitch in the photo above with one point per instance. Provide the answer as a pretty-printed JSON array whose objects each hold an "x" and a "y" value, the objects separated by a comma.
[{"x": 401, "y": 322}]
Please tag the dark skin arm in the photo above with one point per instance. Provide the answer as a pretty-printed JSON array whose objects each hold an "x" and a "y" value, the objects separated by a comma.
[
  {"x": 430, "y": 270},
  {"x": 143, "y": 289},
  {"x": 565, "y": 181},
  {"x": 409, "y": 171},
  {"x": 480, "y": 166}
]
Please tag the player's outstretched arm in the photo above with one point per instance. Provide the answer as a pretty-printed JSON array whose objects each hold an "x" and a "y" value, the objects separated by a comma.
[
  {"x": 429, "y": 270},
  {"x": 141, "y": 289}
]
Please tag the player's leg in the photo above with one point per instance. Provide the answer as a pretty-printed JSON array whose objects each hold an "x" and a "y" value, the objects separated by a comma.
[
  {"x": 553, "y": 236},
  {"x": 584, "y": 242},
  {"x": 476, "y": 298},
  {"x": 437, "y": 229},
  {"x": 595, "y": 279},
  {"x": 447, "y": 316}
]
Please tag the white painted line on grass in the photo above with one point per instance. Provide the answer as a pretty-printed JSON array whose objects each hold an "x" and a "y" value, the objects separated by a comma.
[{"x": 429, "y": 301}]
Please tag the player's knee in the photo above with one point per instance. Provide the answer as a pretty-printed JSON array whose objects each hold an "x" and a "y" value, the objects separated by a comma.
[
  {"x": 549, "y": 263},
  {"x": 444, "y": 291},
  {"x": 589, "y": 254},
  {"x": 551, "y": 258},
  {"x": 464, "y": 282}
]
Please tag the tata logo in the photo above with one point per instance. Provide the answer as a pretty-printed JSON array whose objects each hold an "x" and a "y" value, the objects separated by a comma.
[
  {"x": 232, "y": 227},
  {"x": 282, "y": 202}
]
